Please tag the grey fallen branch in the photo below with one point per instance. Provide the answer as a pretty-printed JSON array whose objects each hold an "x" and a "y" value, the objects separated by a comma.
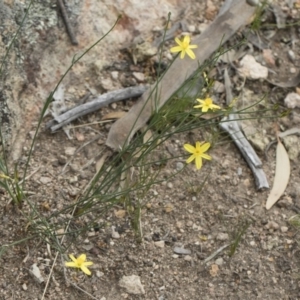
[
  {"x": 93, "y": 105},
  {"x": 232, "y": 127}
]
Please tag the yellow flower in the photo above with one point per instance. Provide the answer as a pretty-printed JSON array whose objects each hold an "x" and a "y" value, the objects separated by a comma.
[
  {"x": 206, "y": 104},
  {"x": 79, "y": 263},
  {"x": 197, "y": 153},
  {"x": 184, "y": 47}
]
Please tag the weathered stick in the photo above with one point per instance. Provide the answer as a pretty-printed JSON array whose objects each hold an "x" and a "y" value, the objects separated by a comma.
[
  {"x": 237, "y": 15},
  {"x": 95, "y": 104},
  {"x": 231, "y": 126}
]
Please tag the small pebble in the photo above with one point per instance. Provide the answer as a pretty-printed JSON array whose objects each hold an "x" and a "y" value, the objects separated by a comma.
[
  {"x": 114, "y": 75},
  {"x": 222, "y": 236},
  {"x": 219, "y": 261},
  {"x": 24, "y": 287},
  {"x": 179, "y": 166},
  {"x": 179, "y": 250},
  {"x": 159, "y": 244},
  {"x": 175, "y": 255},
  {"x": 140, "y": 77},
  {"x": 272, "y": 225},
  {"x": 284, "y": 229},
  {"x": 170, "y": 185},
  {"x": 188, "y": 258}
]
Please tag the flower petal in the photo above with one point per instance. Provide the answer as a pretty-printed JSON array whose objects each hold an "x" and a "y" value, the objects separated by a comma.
[
  {"x": 186, "y": 39},
  {"x": 81, "y": 258},
  {"x": 189, "y": 148},
  {"x": 190, "y": 159},
  {"x": 182, "y": 54},
  {"x": 85, "y": 270},
  {"x": 73, "y": 258},
  {"x": 175, "y": 49},
  {"x": 205, "y": 147},
  {"x": 88, "y": 263},
  {"x": 206, "y": 156},
  {"x": 71, "y": 264},
  {"x": 198, "y": 162},
  {"x": 178, "y": 41},
  {"x": 193, "y": 46},
  {"x": 198, "y": 146},
  {"x": 190, "y": 53}
]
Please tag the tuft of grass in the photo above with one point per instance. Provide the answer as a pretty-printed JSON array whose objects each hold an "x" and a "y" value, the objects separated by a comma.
[{"x": 237, "y": 235}]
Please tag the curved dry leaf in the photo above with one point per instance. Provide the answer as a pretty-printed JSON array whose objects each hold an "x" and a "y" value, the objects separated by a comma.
[
  {"x": 114, "y": 115},
  {"x": 282, "y": 175}
]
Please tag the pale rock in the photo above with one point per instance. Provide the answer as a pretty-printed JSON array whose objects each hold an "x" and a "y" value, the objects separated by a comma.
[
  {"x": 70, "y": 151},
  {"x": 284, "y": 229},
  {"x": 219, "y": 261},
  {"x": 132, "y": 284},
  {"x": 34, "y": 271},
  {"x": 251, "y": 69},
  {"x": 218, "y": 87},
  {"x": 140, "y": 77},
  {"x": 107, "y": 84},
  {"x": 114, "y": 75},
  {"x": 292, "y": 100},
  {"x": 272, "y": 225},
  {"x": 159, "y": 244},
  {"x": 222, "y": 236},
  {"x": 114, "y": 234},
  {"x": 45, "y": 180},
  {"x": 188, "y": 258},
  {"x": 292, "y": 144}
]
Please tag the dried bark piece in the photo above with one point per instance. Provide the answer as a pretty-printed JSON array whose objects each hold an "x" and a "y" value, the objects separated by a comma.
[{"x": 224, "y": 26}]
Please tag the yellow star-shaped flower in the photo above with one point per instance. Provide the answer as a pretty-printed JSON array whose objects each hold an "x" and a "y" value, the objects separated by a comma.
[
  {"x": 197, "y": 153},
  {"x": 184, "y": 47},
  {"x": 79, "y": 263},
  {"x": 206, "y": 104}
]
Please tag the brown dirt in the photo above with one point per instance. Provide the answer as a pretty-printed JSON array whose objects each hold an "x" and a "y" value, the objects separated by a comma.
[{"x": 179, "y": 212}]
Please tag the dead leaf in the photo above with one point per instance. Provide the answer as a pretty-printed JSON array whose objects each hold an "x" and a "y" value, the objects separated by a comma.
[
  {"x": 114, "y": 115},
  {"x": 169, "y": 208},
  {"x": 214, "y": 270},
  {"x": 120, "y": 213},
  {"x": 282, "y": 175},
  {"x": 101, "y": 161}
]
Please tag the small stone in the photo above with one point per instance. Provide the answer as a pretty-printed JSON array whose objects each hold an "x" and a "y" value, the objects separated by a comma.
[
  {"x": 107, "y": 84},
  {"x": 113, "y": 105},
  {"x": 179, "y": 166},
  {"x": 24, "y": 287},
  {"x": 70, "y": 151},
  {"x": 169, "y": 207},
  {"x": 132, "y": 284},
  {"x": 251, "y": 69},
  {"x": 284, "y": 229},
  {"x": 252, "y": 243},
  {"x": 292, "y": 100},
  {"x": 114, "y": 75},
  {"x": 272, "y": 225},
  {"x": 35, "y": 272},
  {"x": 45, "y": 180},
  {"x": 140, "y": 77},
  {"x": 114, "y": 234},
  {"x": 293, "y": 70},
  {"x": 222, "y": 236},
  {"x": 191, "y": 28},
  {"x": 73, "y": 179},
  {"x": 62, "y": 160},
  {"x": 175, "y": 256},
  {"x": 159, "y": 244},
  {"x": 99, "y": 274},
  {"x": 218, "y": 87},
  {"x": 170, "y": 185},
  {"x": 188, "y": 258},
  {"x": 180, "y": 250},
  {"x": 219, "y": 261}
]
